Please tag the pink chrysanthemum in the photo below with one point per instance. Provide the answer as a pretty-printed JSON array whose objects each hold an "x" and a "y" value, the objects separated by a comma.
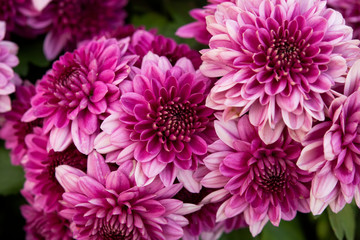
[
  {"x": 15, "y": 13},
  {"x": 69, "y": 22},
  {"x": 202, "y": 217},
  {"x": 350, "y": 9},
  {"x": 261, "y": 181},
  {"x": 40, "y": 224},
  {"x": 40, "y": 168},
  {"x": 198, "y": 29},
  {"x": 109, "y": 205},
  {"x": 14, "y": 130},
  {"x": 332, "y": 151},
  {"x": 162, "y": 121},
  {"x": 76, "y": 93},
  {"x": 276, "y": 59},
  {"x": 8, "y": 60},
  {"x": 143, "y": 41},
  {"x": 202, "y": 222}
]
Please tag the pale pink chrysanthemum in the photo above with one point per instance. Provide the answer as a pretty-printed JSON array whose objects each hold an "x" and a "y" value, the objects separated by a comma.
[
  {"x": 104, "y": 204},
  {"x": 40, "y": 224},
  {"x": 255, "y": 179},
  {"x": 40, "y": 168},
  {"x": 332, "y": 151},
  {"x": 275, "y": 60},
  {"x": 8, "y": 60},
  {"x": 198, "y": 29},
  {"x": 350, "y": 9},
  {"x": 69, "y": 22},
  {"x": 76, "y": 93},
  {"x": 14, "y": 130},
  {"x": 162, "y": 121}
]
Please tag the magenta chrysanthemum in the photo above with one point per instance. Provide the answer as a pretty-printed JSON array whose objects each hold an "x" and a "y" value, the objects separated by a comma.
[
  {"x": 162, "y": 121},
  {"x": 350, "y": 9},
  {"x": 40, "y": 168},
  {"x": 69, "y": 22},
  {"x": 108, "y": 205},
  {"x": 261, "y": 181},
  {"x": 8, "y": 60},
  {"x": 76, "y": 93},
  {"x": 276, "y": 59},
  {"x": 40, "y": 224},
  {"x": 332, "y": 151},
  {"x": 143, "y": 42},
  {"x": 15, "y": 14},
  {"x": 14, "y": 130}
]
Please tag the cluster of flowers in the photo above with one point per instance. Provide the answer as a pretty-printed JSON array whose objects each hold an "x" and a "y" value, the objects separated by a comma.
[{"x": 132, "y": 136}]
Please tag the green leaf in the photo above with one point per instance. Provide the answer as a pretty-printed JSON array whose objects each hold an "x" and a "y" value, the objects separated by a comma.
[
  {"x": 30, "y": 52},
  {"x": 286, "y": 230},
  {"x": 343, "y": 222},
  {"x": 11, "y": 177},
  {"x": 243, "y": 234}
]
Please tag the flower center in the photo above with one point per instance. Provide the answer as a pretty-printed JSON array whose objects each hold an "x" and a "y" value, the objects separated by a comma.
[
  {"x": 71, "y": 156},
  {"x": 69, "y": 76},
  {"x": 25, "y": 128},
  {"x": 286, "y": 52},
  {"x": 176, "y": 121},
  {"x": 115, "y": 231},
  {"x": 272, "y": 174}
]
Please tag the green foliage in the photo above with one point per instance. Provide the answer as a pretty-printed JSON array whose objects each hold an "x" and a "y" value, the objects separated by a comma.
[
  {"x": 286, "y": 230},
  {"x": 243, "y": 234},
  {"x": 11, "y": 177},
  {"x": 166, "y": 16},
  {"x": 343, "y": 223},
  {"x": 30, "y": 52}
]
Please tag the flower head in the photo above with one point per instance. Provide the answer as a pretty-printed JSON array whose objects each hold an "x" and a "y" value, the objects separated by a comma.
[
  {"x": 143, "y": 41},
  {"x": 350, "y": 9},
  {"x": 76, "y": 93},
  {"x": 275, "y": 60},
  {"x": 261, "y": 181},
  {"x": 14, "y": 130},
  {"x": 40, "y": 168},
  {"x": 162, "y": 121},
  {"x": 108, "y": 205},
  {"x": 15, "y": 13},
  {"x": 41, "y": 224},
  {"x": 8, "y": 60},
  {"x": 68, "y": 22},
  {"x": 332, "y": 151}
]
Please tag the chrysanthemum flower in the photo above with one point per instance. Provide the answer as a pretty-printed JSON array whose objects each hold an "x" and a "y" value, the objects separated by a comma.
[
  {"x": 350, "y": 9},
  {"x": 40, "y": 168},
  {"x": 41, "y": 224},
  {"x": 15, "y": 13},
  {"x": 202, "y": 218},
  {"x": 143, "y": 41},
  {"x": 109, "y": 205},
  {"x": 198, "y": 29},
  {"x": 14, "y": 130},
  {"x": 332, "y": 151},
  {"x": 162, "y": 121},
  {"x": 275, "y": 60},
  {"x": 76, "y": 93},
  {"x": 261, "y": 181},
  {"x": 8, "y": 60},
  {"x": 68, "y": 22}
]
